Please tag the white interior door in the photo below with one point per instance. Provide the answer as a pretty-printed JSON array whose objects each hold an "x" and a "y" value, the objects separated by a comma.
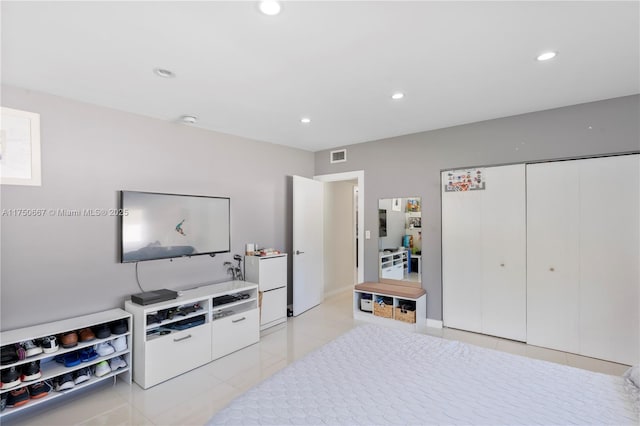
[
  {"x": 553, "y": 255},
  {"x": 462, "y": 259},
  {"x": 503, "y": 252},
  {"x": 609, "y": 252},
  {"x": 308, "y": 244}
]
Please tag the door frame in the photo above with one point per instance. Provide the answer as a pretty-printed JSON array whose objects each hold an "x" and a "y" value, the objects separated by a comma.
[{"x": 359, "y": 176}]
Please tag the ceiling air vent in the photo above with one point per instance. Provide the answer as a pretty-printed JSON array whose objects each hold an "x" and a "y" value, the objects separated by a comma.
[{"x": 339, "y": 156}]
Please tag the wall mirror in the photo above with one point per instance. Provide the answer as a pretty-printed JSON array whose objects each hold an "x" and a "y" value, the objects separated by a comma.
[{"x": 400, "y": 241}]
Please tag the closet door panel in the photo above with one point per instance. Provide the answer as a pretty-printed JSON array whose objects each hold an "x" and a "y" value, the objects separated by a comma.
[
  {"x": 504, "y": 302},
  {"x": 553, "y": 255},
  {"x": 461, "y": 260},
  {"x": 609, "y": 253}
]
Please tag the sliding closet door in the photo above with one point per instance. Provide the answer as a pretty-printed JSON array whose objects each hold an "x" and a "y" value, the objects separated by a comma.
[
  {"x": 609, "y": 253},
  {"x": 483, "y": 254},
  {"x": 503, "y": 251},
  {"x": 553, "y": 224},
  {"x": 461, "y": 259}
]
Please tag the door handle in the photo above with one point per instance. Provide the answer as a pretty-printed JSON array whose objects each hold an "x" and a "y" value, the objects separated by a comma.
[
  {"x": 299, "y": 252},
  {"x": 238, "y": 320},
  {"x": 182, "y": 338}
]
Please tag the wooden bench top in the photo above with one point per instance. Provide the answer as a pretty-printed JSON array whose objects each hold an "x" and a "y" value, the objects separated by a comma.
[{"x": 392, "y": 290}]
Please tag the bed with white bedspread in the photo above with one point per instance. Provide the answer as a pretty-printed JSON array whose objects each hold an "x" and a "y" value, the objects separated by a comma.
[{"x": 374, "y": 375}]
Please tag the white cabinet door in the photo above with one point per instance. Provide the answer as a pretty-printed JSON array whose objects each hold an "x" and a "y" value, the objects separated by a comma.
[
  {"x": 234, "y": 332},
  {"x": 274, "y": 306},
  {"x": 553, "y": 255},
  {"x": 609, "y": 253},
  {"x": 273, "y": 272},
  {"x": 461, "y": 259},
  {"x": 176, "y": 353},
  {"x": 503, "y": 251}
]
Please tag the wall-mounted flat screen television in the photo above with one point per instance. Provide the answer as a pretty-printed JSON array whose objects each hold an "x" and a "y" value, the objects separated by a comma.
[{"x": 164, "y": 226}]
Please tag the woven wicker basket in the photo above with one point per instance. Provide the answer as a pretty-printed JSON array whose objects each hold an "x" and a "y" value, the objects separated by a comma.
[
  {"x": 383, "y": 310},
  {"x": 406, "y": 316}
]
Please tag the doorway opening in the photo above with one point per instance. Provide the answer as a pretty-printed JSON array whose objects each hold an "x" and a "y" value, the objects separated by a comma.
[{"x": 343, "y": 234}]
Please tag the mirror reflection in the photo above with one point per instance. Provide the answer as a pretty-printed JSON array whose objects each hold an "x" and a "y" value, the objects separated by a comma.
[{"x": 400, "y": 240}]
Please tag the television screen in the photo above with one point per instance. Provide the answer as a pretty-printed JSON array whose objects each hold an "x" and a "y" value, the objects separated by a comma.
[{"x": 162, "y": 226}]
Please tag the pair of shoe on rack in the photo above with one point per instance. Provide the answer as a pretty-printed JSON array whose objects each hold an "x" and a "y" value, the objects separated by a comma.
[
  {"x": 116, "y": 345},
  {"x": 69, "y": 380},
  {"x": 103, "y": 367},
  {"x": 19, "y": 351},
  {"x": 14, "y": 375},
  {"x": 70, "y": 339},
  {"x": 71, "y": 359},
  {"x": 20, "y": 396}
]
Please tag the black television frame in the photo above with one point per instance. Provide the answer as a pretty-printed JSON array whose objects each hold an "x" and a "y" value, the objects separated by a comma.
[{"x": 121, "y": 225}]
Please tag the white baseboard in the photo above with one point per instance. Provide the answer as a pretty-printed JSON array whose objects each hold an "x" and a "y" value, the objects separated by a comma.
[
  {"x": 339, "y": 290},
  {"x": 434, "y": 323}
]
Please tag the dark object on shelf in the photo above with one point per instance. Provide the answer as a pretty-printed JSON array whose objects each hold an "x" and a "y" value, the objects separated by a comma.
[
  {"x": 187, "y": 323},
  {"x": 102, "y": 331},
  {"x": 289, "y": 312},
  {"x": 186, "y": 310},
  {"x": 119, "y": 326},
  {"x": 156, "y": 296},
  {"x": 229, "y": 298},
  {"x": 9, "y": 355}
]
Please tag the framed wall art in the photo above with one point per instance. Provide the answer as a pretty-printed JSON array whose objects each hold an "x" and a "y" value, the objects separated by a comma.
[{"x": 20, "y": 148}]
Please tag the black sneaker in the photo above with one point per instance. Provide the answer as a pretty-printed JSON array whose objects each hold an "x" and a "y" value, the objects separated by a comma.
[
  {"x": 81, "y": 375},
  {"x": 18, "y": 397},
  {"x": 3, "y": 401},
  {"x": 49, "y": 344},
  {"x": 31, "y": 371},
  {"x": 119, "y": 327},
  {"x": 39, "y": 390},
  {"x": 64, "y": 382},
  {"x": 11, "y": 353},
  {"x": 10, "y": 377},
  {"x": 102, "y": 331}
]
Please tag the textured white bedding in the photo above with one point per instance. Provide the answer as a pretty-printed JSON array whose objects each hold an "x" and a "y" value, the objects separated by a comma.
[{"x": 373, "y": 375}]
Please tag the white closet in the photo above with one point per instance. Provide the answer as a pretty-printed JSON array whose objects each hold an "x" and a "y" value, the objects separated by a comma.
[
  {"x": 484, "y": 254},
  {"x": 583, "y": 238}
]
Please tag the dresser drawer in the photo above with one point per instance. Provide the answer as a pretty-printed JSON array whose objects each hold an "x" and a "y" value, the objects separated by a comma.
[
  {"x": 234, "y": 332},
  {"x": 177, "y": 353}
]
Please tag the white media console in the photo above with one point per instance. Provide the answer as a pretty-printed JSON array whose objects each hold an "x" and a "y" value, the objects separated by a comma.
[{"x": 201, "y": 325}]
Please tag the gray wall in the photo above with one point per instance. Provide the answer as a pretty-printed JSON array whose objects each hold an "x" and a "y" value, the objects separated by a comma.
[
  {"x": 58, "y": 267},
  {"x": 410, "y": 165}
]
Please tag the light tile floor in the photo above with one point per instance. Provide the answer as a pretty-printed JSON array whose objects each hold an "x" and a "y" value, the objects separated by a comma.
[{"x": 192, "y": 398}]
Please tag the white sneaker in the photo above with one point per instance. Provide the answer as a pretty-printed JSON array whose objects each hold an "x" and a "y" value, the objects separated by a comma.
[
  {"x": 120, "y": 344},
  {"x": 31, "y": 349},
  {"x": 104, "y": 349},
  {"x": 116, "y": 363},
  {"x": 102, "y": 369}
]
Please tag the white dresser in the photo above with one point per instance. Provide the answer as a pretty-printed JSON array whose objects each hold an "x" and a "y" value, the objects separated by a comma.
[{"x": 270, "y": 273}]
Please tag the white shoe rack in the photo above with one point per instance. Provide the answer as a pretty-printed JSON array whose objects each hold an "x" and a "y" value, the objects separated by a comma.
[{"x": 51, "y": 369}]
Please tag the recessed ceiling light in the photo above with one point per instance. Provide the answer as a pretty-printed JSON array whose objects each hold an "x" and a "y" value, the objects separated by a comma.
[
  {"x": 189, "y": 119},
  {"x": 270, "y": 7},
  {"x": 305, "y": 120},
  {"x": 547, "y": 55},
  {"x": 397, "y": 95},
  {"x": 164, "y": 73}
]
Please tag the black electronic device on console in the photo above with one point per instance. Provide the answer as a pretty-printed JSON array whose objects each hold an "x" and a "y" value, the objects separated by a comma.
[{"x": 155, "y": 296}]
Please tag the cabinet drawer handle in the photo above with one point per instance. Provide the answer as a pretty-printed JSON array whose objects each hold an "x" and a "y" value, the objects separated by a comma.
[
  {"x": 239, "y": 319},
  {"x": 182, "y": 338}
]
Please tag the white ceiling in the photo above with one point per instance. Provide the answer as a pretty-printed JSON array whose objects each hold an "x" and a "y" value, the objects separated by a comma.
[{"x": 247, "y": 74}]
